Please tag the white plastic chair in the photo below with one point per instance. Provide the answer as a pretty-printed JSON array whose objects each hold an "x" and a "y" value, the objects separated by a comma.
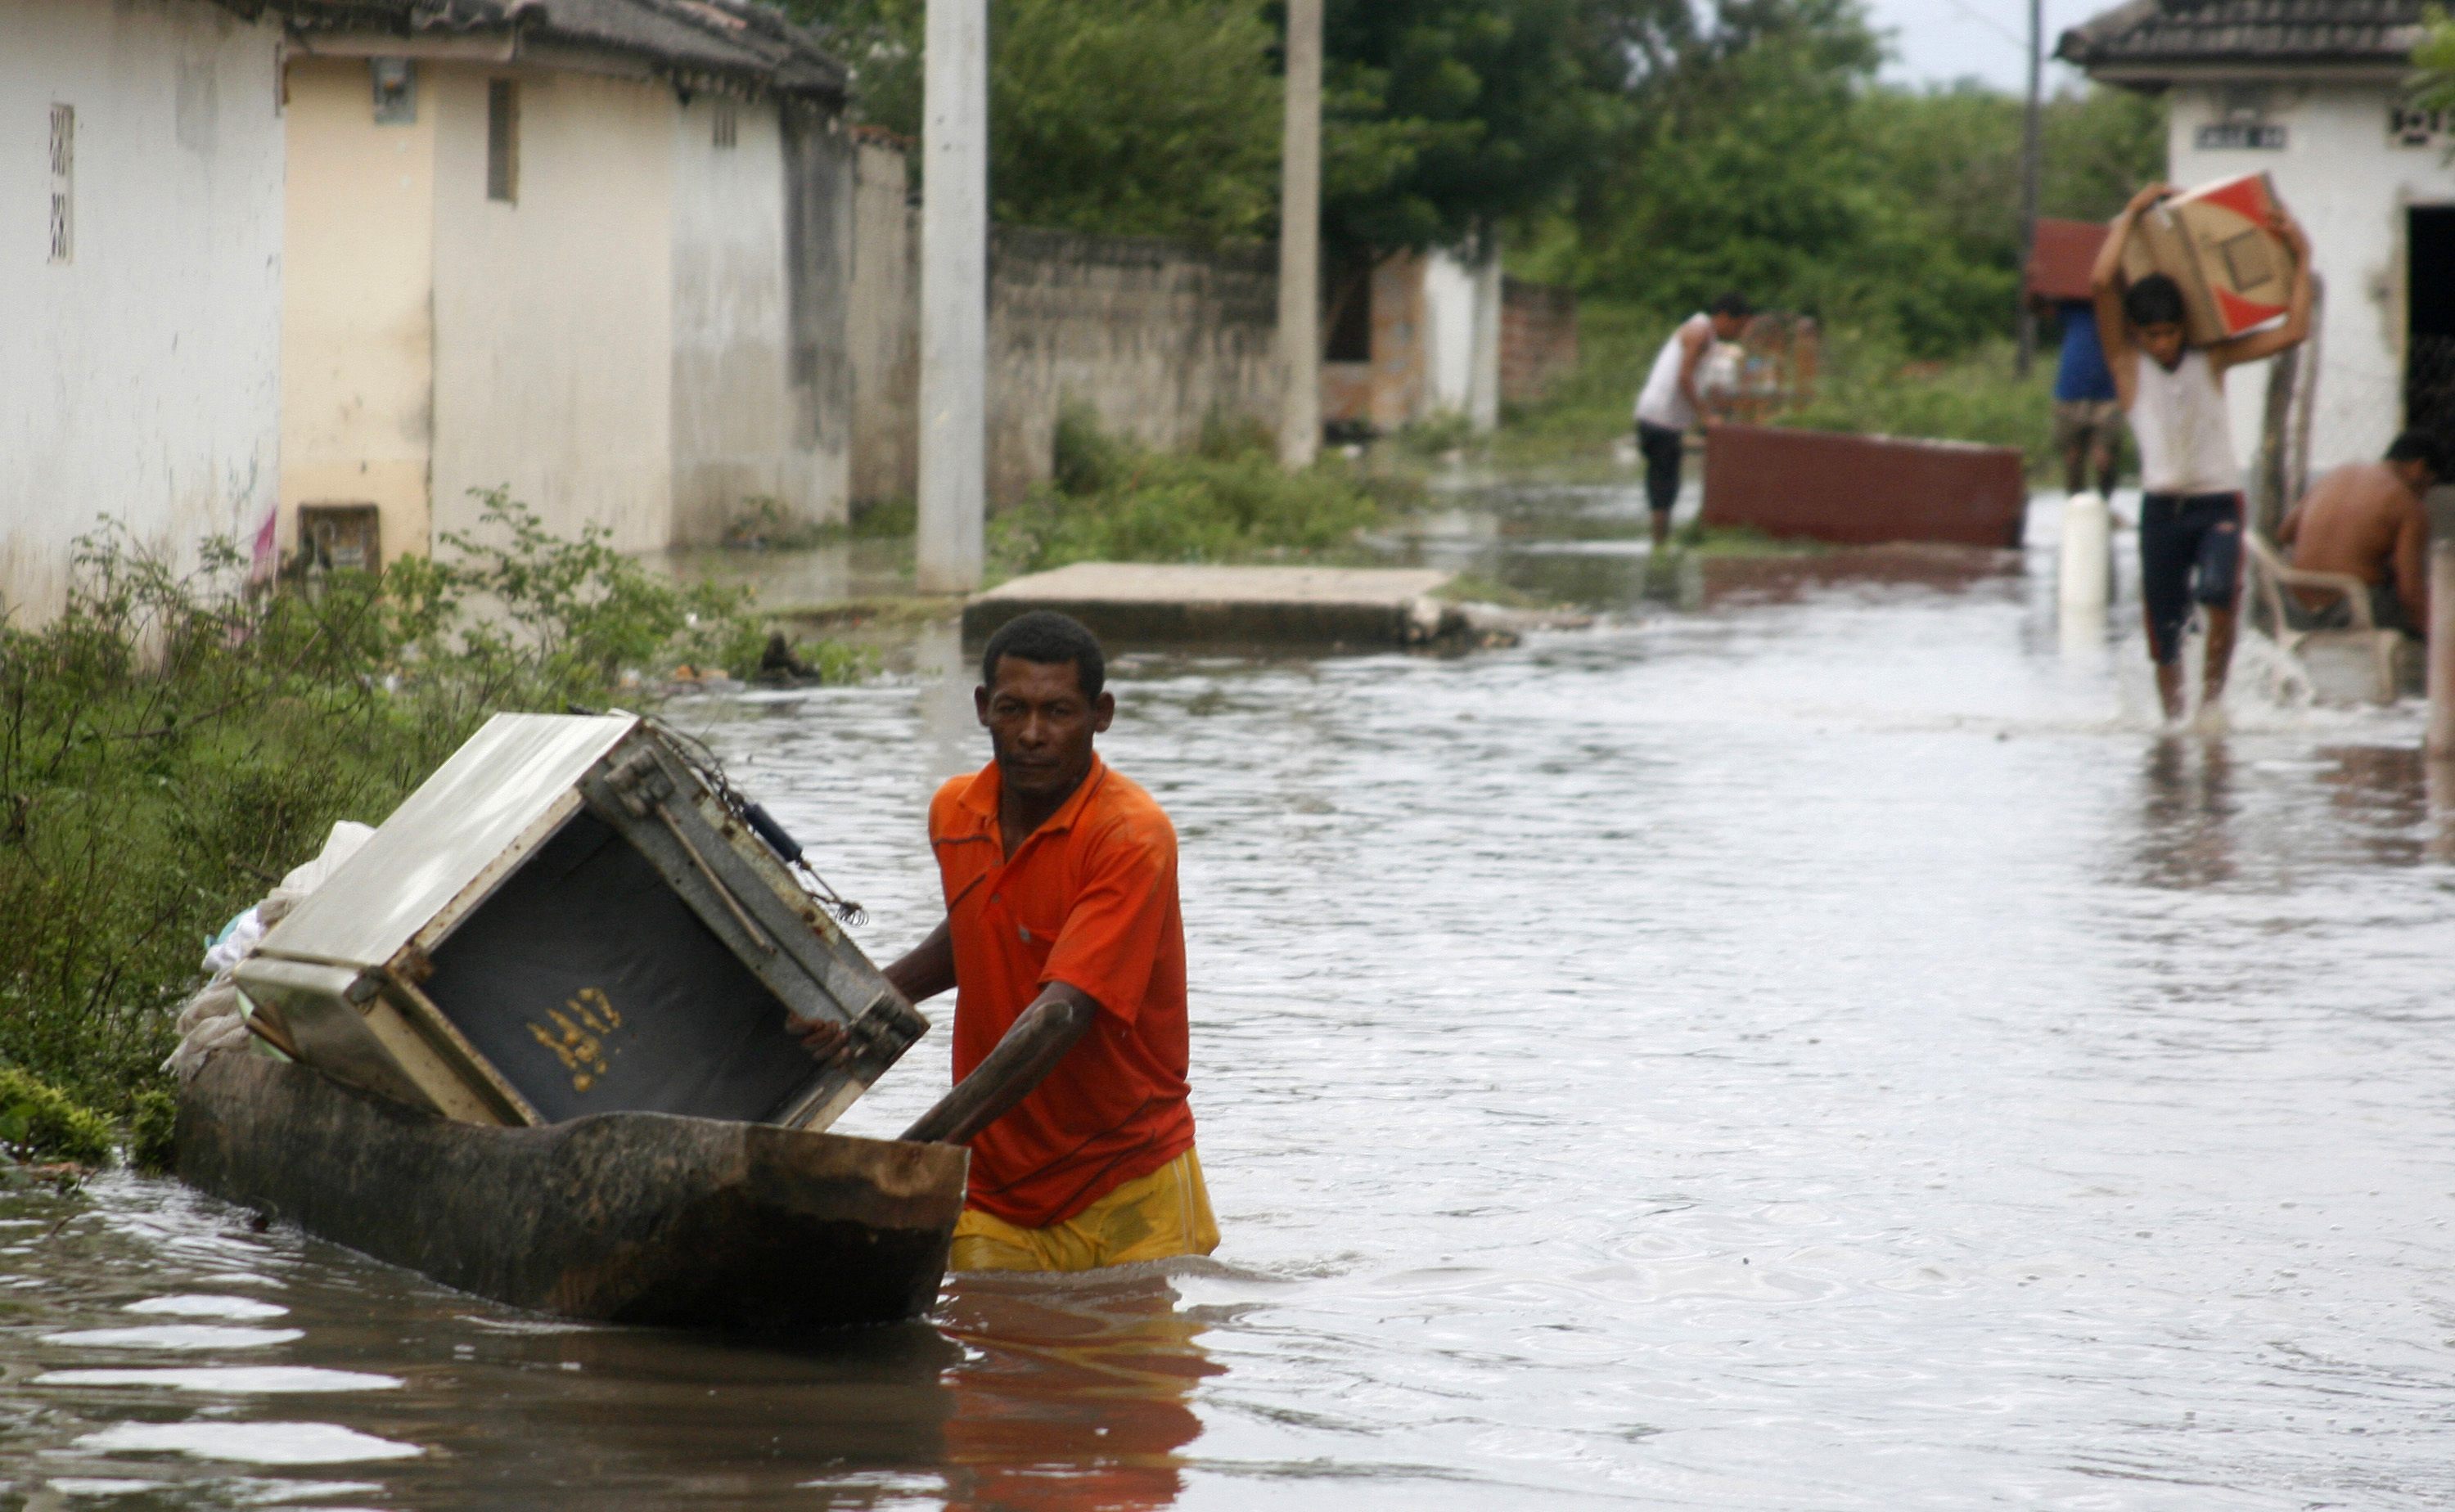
[{"x": 2375, "y": 649}]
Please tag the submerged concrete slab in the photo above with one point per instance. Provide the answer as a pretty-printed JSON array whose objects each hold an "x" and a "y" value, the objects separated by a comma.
[{"x": 1368, "y": 608}]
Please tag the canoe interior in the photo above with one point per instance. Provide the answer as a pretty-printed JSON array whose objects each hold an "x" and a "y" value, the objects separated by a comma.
[{"x": 637, "y": 1217}]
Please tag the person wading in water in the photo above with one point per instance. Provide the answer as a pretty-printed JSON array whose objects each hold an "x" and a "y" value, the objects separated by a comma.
[
  {"x": 2190, "y": 512},
  {"x": 1668, "y": 404},
  {"x": 1066, "y": 950}
]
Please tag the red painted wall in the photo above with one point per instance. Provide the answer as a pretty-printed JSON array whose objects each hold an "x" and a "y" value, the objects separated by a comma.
[{"x": 1862, "y": 489}]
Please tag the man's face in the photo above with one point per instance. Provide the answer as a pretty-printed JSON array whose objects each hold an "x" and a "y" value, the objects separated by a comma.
[
  {"x": 1041, "y": 726},
  {"x": 2418, "y": 474},
  {"x": 2162, "y": 342},
  {"x": 1728, "y": 328}
]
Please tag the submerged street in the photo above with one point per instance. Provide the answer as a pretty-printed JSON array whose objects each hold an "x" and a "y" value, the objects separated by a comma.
[{"x": 1800, "y": 1042}]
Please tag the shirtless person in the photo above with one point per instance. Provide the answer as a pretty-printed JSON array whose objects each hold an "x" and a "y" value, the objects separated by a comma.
[
  {"x": 2364, "y": 519},
  {"x": 2190, "y": 512}
]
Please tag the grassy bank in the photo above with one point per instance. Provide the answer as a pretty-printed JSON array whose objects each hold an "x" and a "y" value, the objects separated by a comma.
[
  {"x": 172, "y": 743},
  {"x": 1226, "y": 501},
  {"x": 1867, "y": 385}
]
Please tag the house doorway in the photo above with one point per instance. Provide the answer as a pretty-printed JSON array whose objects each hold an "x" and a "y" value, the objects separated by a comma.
[{"x": 2429, "y": 306}]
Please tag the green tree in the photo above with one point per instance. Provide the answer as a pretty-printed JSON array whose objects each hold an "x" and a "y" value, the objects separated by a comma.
[
  {"x": 1442, "y": 118},
  {"x": 1763, "y": 156},
  {"x": 2433, "y": 86},
  {"x": 1127, "y": 117}
]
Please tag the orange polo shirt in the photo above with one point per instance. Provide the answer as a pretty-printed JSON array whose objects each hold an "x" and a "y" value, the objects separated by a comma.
[{"x": 1088, "y": 900}]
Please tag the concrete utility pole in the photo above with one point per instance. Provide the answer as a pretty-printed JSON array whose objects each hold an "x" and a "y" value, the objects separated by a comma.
[
  {"x": 954, "y": 296},
  {"x": 1300, "y": 242},
  {"x": 2030, "y": 148},
  {"x": 2441, "y": 666}
]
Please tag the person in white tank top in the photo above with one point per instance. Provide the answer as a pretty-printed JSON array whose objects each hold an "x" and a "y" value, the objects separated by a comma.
[
  {"x": 2190, "y": 513},
  {"x": 1667, "y": 406}
]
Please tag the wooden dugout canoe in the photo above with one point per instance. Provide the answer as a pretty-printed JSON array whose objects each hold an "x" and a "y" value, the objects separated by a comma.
[{"x": 633, "y": 1218}]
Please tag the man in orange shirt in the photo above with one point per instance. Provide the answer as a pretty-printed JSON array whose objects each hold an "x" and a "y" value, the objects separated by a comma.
[{"x": 1064, "y": 945}]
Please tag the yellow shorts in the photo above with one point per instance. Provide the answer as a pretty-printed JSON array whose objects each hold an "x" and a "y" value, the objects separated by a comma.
[{"x": 1149, "y": 1218}]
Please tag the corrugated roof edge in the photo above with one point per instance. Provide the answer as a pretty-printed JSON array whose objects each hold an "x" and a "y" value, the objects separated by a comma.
[
  {"x": 742, "y": 41},
  {"x": 2146, "y": 40}
]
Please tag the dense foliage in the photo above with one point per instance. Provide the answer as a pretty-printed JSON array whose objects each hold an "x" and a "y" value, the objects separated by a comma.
[
  {"x": 1775, "y": 165},
  {"x": 171, "y": 743},
  {"x": 2433, "y": 86},
  {"x": 1651, "y": 152}
]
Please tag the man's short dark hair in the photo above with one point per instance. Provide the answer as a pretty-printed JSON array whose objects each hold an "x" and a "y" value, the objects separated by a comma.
[
  {"x": 1047, "y": 637},
  {"x": 2156, "y": 300},
  {"x": 2422, "y": 447},
  {"x": 1733, "y": 304}
]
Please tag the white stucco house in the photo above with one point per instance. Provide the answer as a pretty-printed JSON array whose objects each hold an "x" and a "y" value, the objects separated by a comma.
[
  {"x": 140, "y": 279},
  {"x": 2312, "y": 92},
  {"x": 595, "y": 251}
]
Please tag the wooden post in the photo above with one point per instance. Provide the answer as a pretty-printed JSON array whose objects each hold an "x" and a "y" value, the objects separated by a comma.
[
  {"x": 1300, "y": 241},
  {"x": 954, "y": 296},
  {"x": 2271, "y": 483},
  {"x": 2442, "y": 649},
  {"x": 2030, "y": 149}
]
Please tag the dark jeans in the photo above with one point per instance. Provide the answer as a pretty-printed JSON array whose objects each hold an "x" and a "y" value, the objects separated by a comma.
[
  {"x": 1661, "y": 449},
  {"x": 2190, "y": 546}
]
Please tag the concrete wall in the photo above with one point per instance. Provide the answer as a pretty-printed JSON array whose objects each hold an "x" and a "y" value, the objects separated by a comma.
[
  {"x": 358, "y": 328},
  {"x": 554, "y": 315},
  {"x": 1394, "y": 389},
  {"x": 883, "y": 328},
  {"x": 818, "y": 211},
  {"x": 2350, "y": 186},
  {"x": 1538, "y": 338},
  {"x": 1154, "y": 337},
  {"x": 139, "y": 378},
  {"x": 733, "y": 415}
]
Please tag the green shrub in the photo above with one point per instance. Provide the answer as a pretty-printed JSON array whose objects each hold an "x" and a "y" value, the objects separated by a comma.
[
  {"x": 171, "y": 744},
  {"x": 1870, "y": 386},
  {"x": 1111, "y": 500},
  {"x": 39, "y": 1121}
]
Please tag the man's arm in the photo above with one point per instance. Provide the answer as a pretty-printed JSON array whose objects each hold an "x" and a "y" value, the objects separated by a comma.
[
  {"x": 2291, "y": 525},
  {"x": 919, "y": 973},
  {"x": 928, "y": 968},
  {"x": 1694, "y": 344},
  {"x": 2106, "y": 292},
  {"x": 2296, "y": 329},
  {"x": 1050, "y": 1027}
]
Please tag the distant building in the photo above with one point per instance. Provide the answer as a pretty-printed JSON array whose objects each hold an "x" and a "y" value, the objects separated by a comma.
[
  {"x": 1420, "y": 334},
  {"x": 596, "y": 251},
  {"x": 140, "y": 279},
  {"x": 2312, "y": 92}
]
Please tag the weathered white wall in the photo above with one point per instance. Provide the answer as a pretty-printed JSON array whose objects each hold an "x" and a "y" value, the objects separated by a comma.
[
  {"x": 733, "y": 410},
  {"x": 1462, "y": 331},
  {"x": 554, "y": 316},
  {"x": 141, "y": 379},
  {"x": 1449, "y": 332},
  {"x": 358, "y": 328},
  {"x": 883, "y": 325},
  {"x": 2350, "y": 186}
]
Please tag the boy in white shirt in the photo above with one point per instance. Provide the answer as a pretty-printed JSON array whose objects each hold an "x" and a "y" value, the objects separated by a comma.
[{"x": 2191, "y": 509}]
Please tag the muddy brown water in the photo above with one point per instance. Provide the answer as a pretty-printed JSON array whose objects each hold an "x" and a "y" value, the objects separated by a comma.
[{"x": 1800, "y": 1043}]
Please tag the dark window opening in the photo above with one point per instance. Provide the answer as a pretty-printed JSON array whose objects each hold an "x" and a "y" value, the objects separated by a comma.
[
  {"x": 504, "y": 140},
  {"x": 2429, "y": 333},
  {"x": 1350, "y": 317}
]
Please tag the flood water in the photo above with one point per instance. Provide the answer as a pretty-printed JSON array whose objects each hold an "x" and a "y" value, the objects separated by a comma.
[{"x": 1800, "y": 1042}]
